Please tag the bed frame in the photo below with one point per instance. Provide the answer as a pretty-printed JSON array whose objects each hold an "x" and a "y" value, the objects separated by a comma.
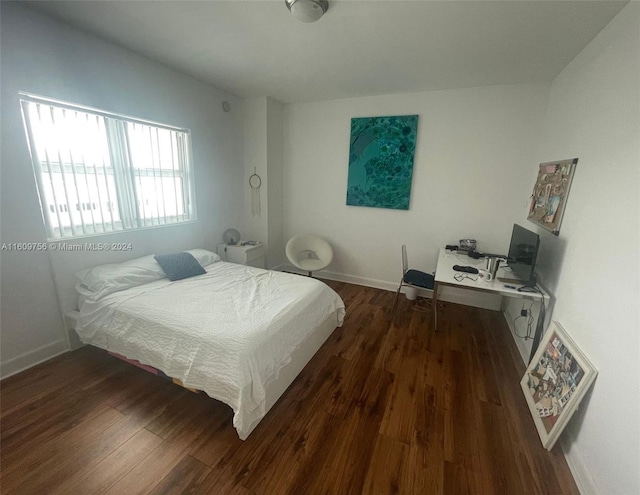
[{"x": 274, "y": 390}]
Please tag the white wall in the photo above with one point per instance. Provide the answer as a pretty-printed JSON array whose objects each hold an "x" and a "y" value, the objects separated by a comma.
[
  {"x": 593, "y": 267},
  {"x": 49, "y": 58},
  {"x": 275, "y": 158},
  {"x": 263, "y": 144},
  {"x": 470, "y": 177},
  {"x": 254, "y": 112}
]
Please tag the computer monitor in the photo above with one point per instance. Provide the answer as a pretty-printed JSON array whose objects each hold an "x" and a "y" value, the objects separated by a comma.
[{"x": 523, "y": 251}]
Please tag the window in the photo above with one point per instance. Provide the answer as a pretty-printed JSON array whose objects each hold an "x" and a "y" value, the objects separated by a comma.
[{"x": 99, "y": 172}]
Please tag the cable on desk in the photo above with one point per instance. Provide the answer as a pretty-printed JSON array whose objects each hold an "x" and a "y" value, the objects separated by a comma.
[
  {"x": 529, "y": 318},
  {"x": 540, "y": 326}
]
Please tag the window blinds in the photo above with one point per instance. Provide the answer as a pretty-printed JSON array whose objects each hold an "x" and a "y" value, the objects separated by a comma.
[{"x": 98, "y": 172}]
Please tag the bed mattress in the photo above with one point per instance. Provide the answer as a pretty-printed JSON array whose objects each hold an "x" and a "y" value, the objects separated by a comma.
[{"x": 228, "y": 332}]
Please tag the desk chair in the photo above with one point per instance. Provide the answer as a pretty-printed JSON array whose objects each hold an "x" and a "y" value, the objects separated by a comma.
[{"x": 411, "y": 278}]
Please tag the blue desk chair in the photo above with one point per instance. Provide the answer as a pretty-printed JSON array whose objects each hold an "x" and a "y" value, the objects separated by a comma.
[{"x": 411, "y": 278}]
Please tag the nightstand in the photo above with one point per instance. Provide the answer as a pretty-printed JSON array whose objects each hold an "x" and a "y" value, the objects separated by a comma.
[{"x": 244, "y": 255}]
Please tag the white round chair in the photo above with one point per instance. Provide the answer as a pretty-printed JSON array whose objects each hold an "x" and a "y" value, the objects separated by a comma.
[{"x": 309, "y": 252}]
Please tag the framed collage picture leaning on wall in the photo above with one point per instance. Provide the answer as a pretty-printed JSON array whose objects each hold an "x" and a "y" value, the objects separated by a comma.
[{"x": 555, "y": 382}]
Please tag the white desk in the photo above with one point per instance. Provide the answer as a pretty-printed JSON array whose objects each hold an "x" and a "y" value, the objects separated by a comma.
[{"x": 445, "y": 275}]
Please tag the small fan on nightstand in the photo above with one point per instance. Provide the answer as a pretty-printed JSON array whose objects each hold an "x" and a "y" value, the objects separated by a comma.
[{"x": 231, "y": 237}]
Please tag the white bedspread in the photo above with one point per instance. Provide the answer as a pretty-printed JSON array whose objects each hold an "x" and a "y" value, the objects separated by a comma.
[{"x": 228, "y": 332}]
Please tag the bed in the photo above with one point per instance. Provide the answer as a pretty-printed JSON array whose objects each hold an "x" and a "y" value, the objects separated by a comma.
[{"x": 240, "y": 334}]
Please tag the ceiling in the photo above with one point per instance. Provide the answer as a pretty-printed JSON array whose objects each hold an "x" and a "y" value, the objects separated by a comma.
[{"x": 359, "y": 48}]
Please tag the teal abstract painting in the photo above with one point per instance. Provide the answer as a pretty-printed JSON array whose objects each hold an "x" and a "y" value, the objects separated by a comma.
[{"x": 381, "y": 161}]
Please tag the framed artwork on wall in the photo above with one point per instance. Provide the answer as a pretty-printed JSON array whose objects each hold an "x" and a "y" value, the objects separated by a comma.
[
  {"x": 381, "y": 161},
  {"x": 555, "y": 382},
  {"x": 550, "y": 193}
]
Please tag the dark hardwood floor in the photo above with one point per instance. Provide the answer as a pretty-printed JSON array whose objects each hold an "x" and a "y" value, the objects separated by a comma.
[{"x": 382, "y": 408}]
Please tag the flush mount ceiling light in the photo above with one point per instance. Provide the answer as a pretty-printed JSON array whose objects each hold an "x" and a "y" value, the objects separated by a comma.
[{"x": 307, "y": 10}]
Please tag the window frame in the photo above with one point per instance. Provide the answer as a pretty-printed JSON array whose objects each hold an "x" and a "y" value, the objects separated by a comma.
[{"x": 127, "y": 178}]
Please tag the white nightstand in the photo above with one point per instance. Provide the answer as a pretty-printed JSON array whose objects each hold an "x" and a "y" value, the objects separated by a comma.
[{"x": 244, "y": 255}]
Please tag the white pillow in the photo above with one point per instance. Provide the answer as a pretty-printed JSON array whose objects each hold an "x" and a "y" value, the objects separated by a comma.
[
  {"x": 102, "y": 280},
  {"x": 107, "y": 279},
  {"x": 203, "y": 256}
]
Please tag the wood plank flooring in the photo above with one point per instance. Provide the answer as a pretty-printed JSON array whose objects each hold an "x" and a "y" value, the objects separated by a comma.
[{"x": 382, "y": 408}]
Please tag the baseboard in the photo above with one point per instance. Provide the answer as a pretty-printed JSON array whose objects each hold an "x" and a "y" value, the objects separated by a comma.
[
  {"x": 32, "y": 358},
  {"x": 578, "y": 466},
  {"x": 350, "y": 279},
  {"x": 450, "y": 294},
  {"x": 364, "y": 281}
]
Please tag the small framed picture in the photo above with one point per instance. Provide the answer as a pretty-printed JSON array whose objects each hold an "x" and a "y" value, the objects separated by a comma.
[
  {"x": 550, "y": 194},
  {"x": 555, "y": 382}
]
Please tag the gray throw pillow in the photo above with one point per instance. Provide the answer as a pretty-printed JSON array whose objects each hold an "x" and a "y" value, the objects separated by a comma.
[{"x": 179, "y": 265}]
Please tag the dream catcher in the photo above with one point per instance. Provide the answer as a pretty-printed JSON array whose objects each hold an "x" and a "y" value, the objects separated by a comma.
[{"x": 255, "y": 182}]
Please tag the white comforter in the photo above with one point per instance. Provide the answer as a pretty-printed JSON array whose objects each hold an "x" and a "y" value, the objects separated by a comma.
[{"x": 228, "y": 332}]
